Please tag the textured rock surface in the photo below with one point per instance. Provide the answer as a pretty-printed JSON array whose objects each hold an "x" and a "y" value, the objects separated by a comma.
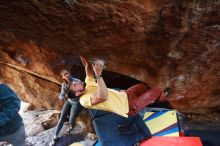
[
  {"x": 38, "y": 121},
  {"x": 44, "y": 138},
  {"x": 40, "y": 129},
  {"x": 161, "y": 42}
]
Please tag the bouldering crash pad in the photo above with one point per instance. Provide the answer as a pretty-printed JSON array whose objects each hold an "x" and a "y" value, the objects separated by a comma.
[
  {"x": 112, "y": 129},
  {"x": 172, "y": 141},
  {"x": 162, "y": 123}
]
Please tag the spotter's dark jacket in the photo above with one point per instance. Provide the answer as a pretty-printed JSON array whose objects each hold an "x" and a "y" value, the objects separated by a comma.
[{"x": 10, "y": 120}]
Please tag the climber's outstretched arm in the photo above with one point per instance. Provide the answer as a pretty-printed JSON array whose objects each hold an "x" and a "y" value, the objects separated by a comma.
[{"x": 88, "y": 67}]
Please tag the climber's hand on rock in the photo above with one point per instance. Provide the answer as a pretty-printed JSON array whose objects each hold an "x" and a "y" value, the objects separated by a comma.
[{"x": 98, "y": 66}]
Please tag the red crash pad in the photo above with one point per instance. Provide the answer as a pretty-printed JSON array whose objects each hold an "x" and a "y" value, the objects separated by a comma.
[{"x": 172, "y": 141}]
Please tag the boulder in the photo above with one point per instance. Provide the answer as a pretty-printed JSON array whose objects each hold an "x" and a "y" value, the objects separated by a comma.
[{"x": 162, "y": 42}]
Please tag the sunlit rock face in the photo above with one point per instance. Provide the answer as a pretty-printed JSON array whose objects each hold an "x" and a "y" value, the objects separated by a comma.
[{"x": 160, "y": 42}]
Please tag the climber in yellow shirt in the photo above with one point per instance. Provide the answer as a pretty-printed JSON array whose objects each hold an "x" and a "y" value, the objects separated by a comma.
[{"x": 95, "y": 95}]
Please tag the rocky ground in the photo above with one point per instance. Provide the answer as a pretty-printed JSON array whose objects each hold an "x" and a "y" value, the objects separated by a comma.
[
  {"x": 40, "y": 128},
  {"x": 210, "y": 121}
]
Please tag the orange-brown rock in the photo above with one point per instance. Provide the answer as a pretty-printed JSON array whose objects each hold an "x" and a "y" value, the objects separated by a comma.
[{"x": 161, "y": 42}]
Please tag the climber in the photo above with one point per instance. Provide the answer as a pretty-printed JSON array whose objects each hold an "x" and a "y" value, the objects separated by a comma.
[
  {"x": 95, "y": 95},
  {"x": 11, "y": 124},
  {"x": 72, "y": 104}
]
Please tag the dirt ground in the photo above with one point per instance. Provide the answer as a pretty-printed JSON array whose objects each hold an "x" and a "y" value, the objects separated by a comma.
[{"x": 210, "y": 121}]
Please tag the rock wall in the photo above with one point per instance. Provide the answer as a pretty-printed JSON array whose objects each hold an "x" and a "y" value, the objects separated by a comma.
[{"x": 161, "y": 42}]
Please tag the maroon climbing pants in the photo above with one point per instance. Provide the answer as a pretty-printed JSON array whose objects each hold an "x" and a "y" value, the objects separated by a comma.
[{"x": 140, "y": 95}]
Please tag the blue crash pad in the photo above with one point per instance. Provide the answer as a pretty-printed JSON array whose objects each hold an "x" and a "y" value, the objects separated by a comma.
[{"x": 115, "y": 130}]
